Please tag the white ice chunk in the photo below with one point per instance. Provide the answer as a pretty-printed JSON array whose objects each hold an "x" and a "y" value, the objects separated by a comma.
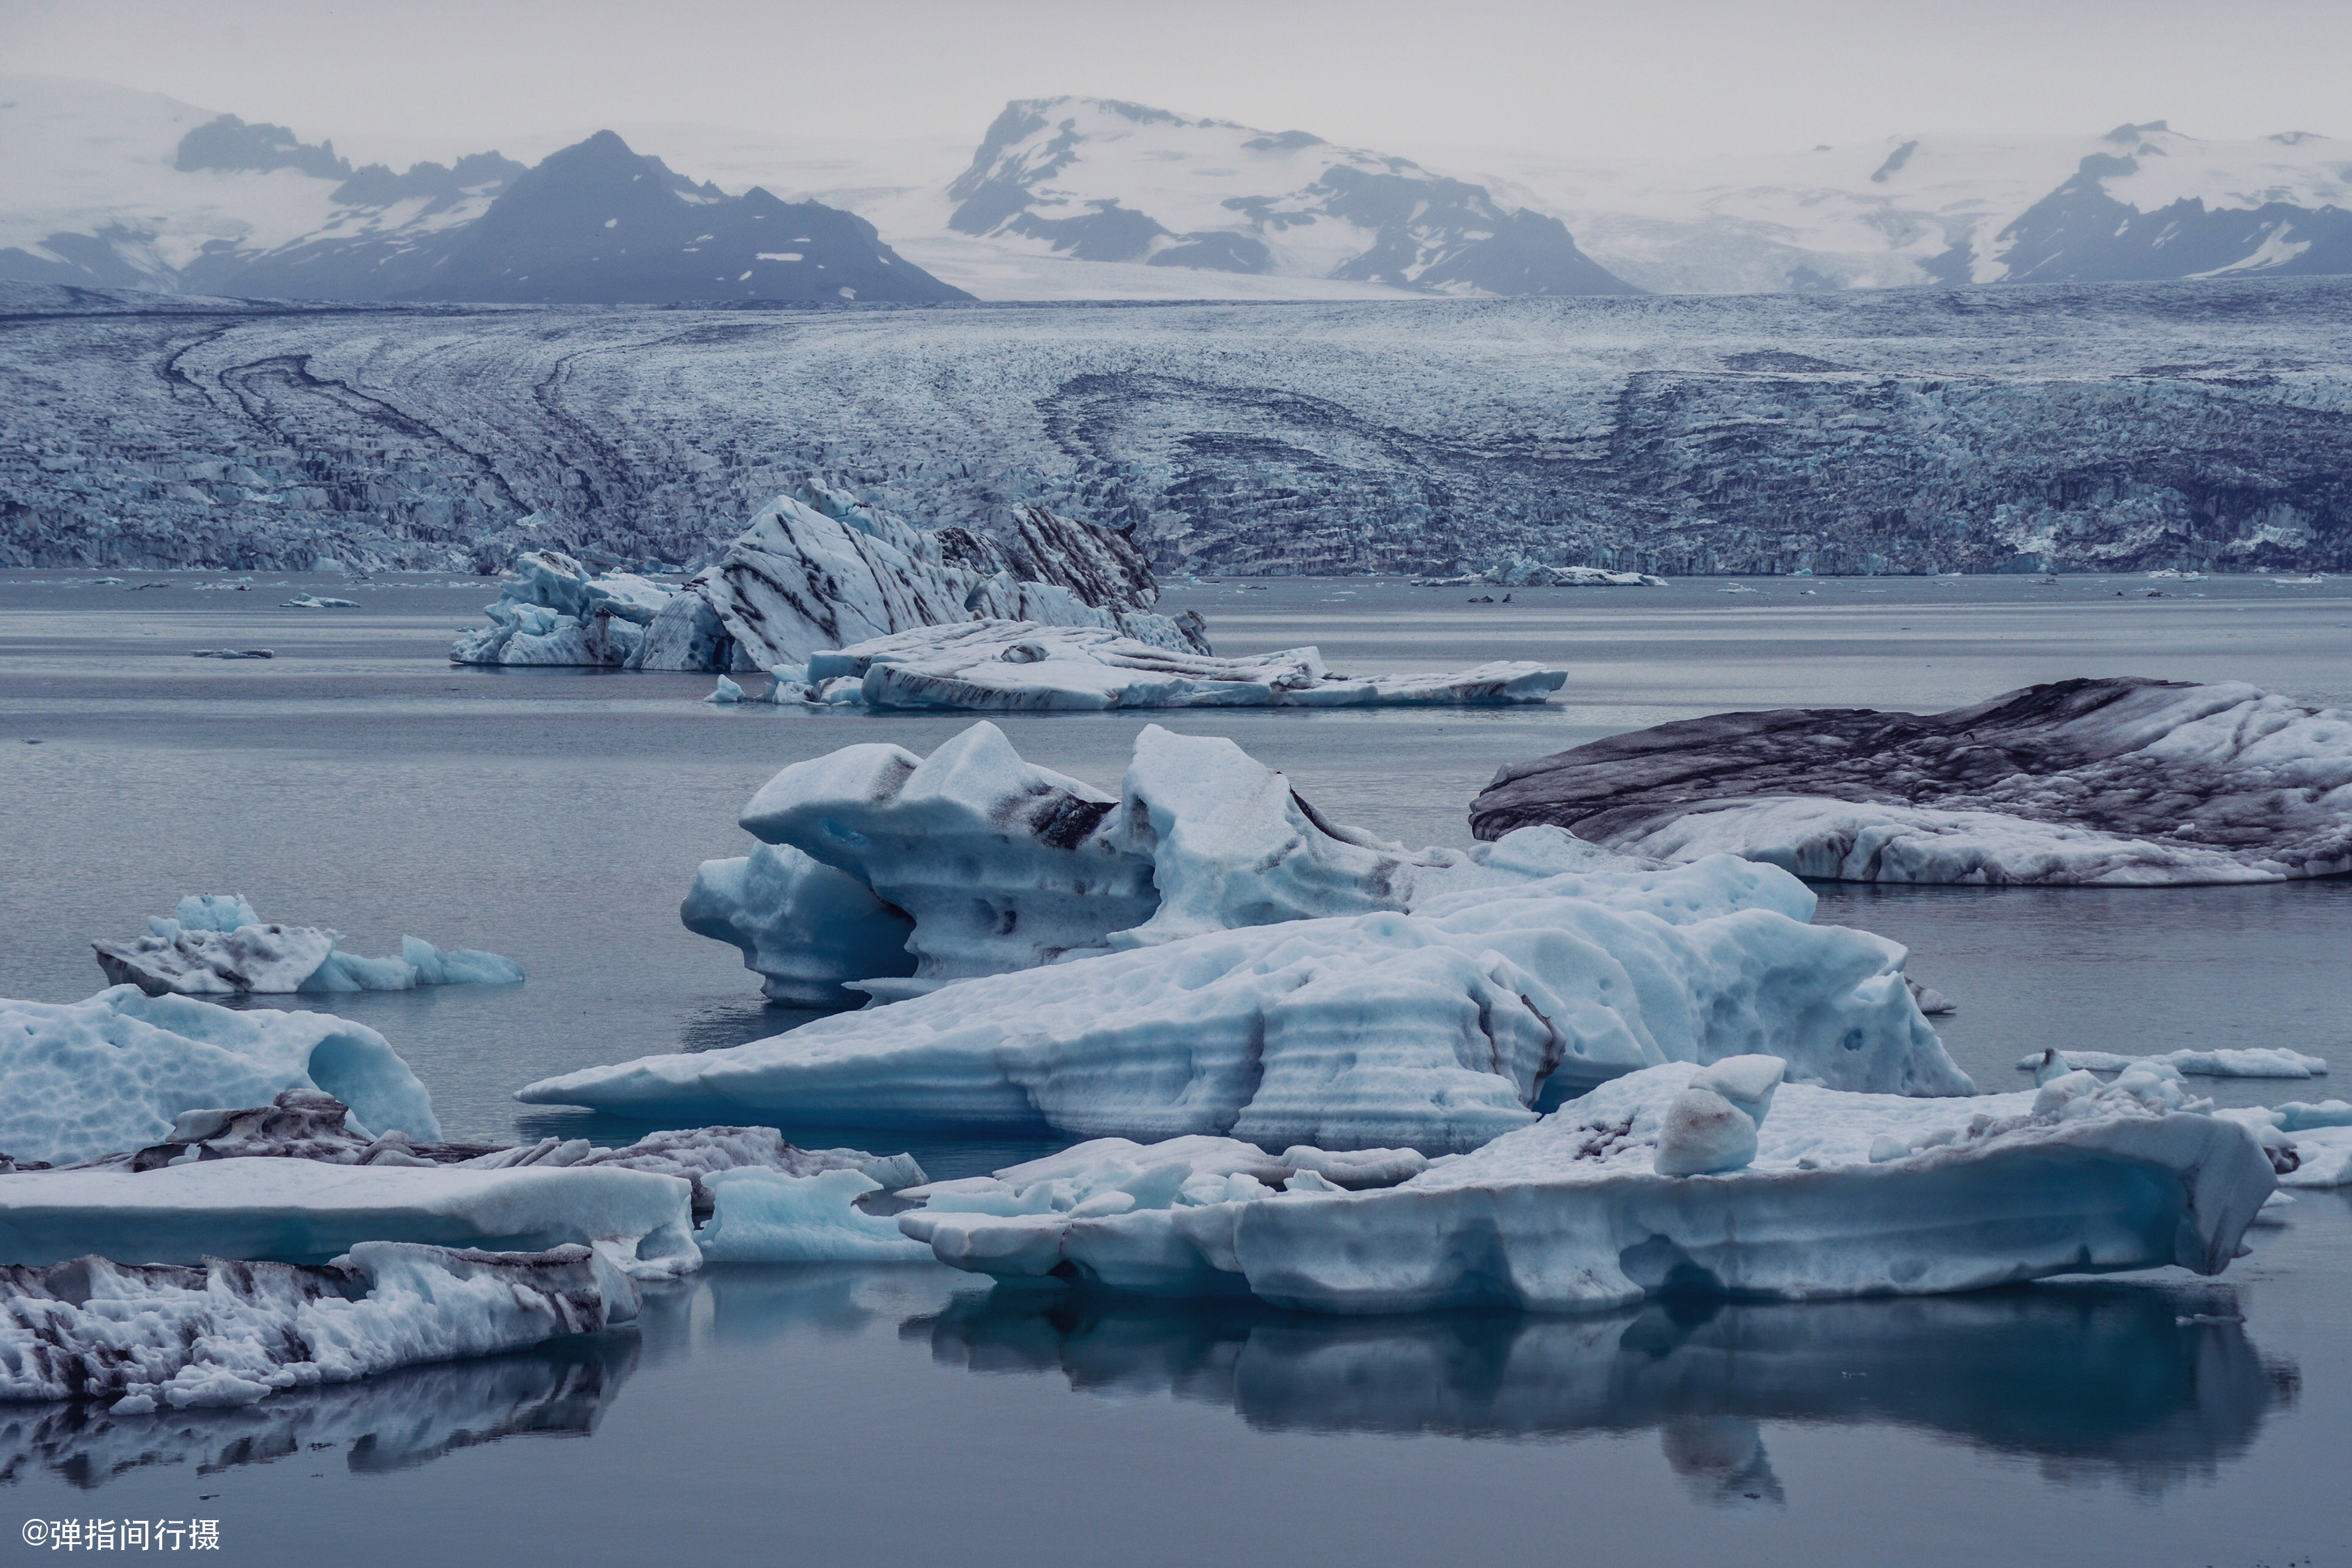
[
  {"x": 303, "y": 1211},
  {"x": 112, "y": 1074},
  {"x": 233, "y": 1332},
  {"x": 1703, "y": 1132},
  {"x": 767, "y": 1216}
]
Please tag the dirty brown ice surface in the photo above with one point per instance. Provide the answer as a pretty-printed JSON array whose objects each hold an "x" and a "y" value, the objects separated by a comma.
[{"x": 911, "y": 1414}]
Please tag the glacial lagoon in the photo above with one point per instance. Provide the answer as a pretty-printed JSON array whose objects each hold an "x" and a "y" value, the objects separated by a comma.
[{"x": 911, "y": 1413}]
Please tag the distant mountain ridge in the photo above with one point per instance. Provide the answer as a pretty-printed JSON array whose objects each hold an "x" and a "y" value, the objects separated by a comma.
[
  {"x": 1106, "y": 181},
  {"x": 252, "y": 211}
]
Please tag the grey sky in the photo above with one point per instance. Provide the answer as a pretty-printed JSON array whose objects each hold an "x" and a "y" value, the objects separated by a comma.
[{"x": 1570, "y": 78}]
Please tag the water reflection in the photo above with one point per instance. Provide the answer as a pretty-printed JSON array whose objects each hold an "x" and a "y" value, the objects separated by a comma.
[
  {"x": 393, "y": 1423},
  {"x": 2147, "y": 1385}
]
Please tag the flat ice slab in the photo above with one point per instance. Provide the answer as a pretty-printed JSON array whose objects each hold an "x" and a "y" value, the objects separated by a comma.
[
  {"x": 999, "y": 666},
  {"x": 114, "y": 1073},
  {"x": 2108, "y": 783},
  {"x": 2251, "y": 1061},
  {"x": 303, "y": 1211},
  {"x": 1847, "y": 1195},
  {"x": 230, "y": 1333}
]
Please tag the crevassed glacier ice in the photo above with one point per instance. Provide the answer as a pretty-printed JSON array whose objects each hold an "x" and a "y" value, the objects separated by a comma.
[
  {"x": 1020, "y": 666},
  {"x": 114, "y": 1073},
  {"x": 1437, "y": 1028},
  {"x": 813, "y": 569},
  {"x": 2109, "y": 782},
  {"x": 306, "y": 1211},
  {"x": 1572, "y": 1214},
  {"x": 232, "y": 1333},
  {"x": 215, "y": 945}
]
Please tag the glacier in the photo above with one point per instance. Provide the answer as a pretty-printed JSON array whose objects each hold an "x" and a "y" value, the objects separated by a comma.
[
  {"x": 1845, "y": 1195},
  {"x": 116, "y": 1072},
  {"x": 813, "y": 569},
  {"x": 1000, "y": 665},
  {"x": 144, "y": 1338},
  {"x": 2104, "y": 782},
  {"x": 215, "y": 945}
]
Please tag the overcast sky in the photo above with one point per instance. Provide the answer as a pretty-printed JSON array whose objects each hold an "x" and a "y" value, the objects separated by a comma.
[{"x": 1571, "y": 78}]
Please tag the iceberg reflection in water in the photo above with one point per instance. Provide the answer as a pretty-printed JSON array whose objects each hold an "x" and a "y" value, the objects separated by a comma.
[
  {"x": 2148, "y": 1386},
  {"x": 398, "y": 1422}
]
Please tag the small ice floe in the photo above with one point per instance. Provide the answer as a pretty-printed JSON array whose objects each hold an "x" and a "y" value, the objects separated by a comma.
[
  {"x": 2254, "y": 1061},
  {"x": 233, "y": 653},
  {"x": 313, "y": 601},
  {"x": 215, "y": 945},
  {"x": 2112, "y": 782},
  {"x": 1799, "y": 1193},
  {"x": 725, "y": 694}
]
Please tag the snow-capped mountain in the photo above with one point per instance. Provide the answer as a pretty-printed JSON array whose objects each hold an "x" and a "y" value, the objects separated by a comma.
[
  {"x": 1101, "y": 181},
  {"x": 2139, "y": 201},
  {"x": 103, "y": 186}
]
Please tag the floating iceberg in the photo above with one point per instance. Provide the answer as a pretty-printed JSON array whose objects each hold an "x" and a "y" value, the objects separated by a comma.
[
  {"x": 230, "y": 1333},
  {"x": 2257, "y": 1061},
  {"x": 116, "y": 1072},
  {"x": 2112, "y": 782},
  {"x": 1437, "y": 1027},
  {"x": 310, "y": 602},
  {"x": 993, "y": 864},
  {"x": 1845, "y": 1195},
  {"x": 305, "y": 1211},
  {"x": 215, "y": 945},
  {"x": 814, "y": 570},
  {"x": 1018, "y": 666},
  {"x": 555, "y": 611},
  {"x": 768, "y": 1216}
]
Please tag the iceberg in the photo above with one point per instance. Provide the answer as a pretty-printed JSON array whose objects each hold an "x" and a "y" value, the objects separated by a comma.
[
  {"x": 1526, "y": 571},
  {"x": 1437, "y": 1028},
  {"x": 143, "y": 1338},
  {"x": 768, "y": 1216},
  {"x": 1845, "y": 1195},
  {"x": 215, "y": 945},
  {"x": 2116, "y": 783},
  {"x": 996, "y": 863},
  {"x": 2256, "y": 1061},
  {"x": 815, "y": 569},
  {"x": 314, "y": 601},
  {"x": 306, "y": 1211},
  {"x": 1021, "y": 666},
  {"x": 116, "y": 1072}
]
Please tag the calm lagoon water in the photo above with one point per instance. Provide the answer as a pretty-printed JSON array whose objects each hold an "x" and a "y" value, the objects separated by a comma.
[{"x": 914, "y": 1415}]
